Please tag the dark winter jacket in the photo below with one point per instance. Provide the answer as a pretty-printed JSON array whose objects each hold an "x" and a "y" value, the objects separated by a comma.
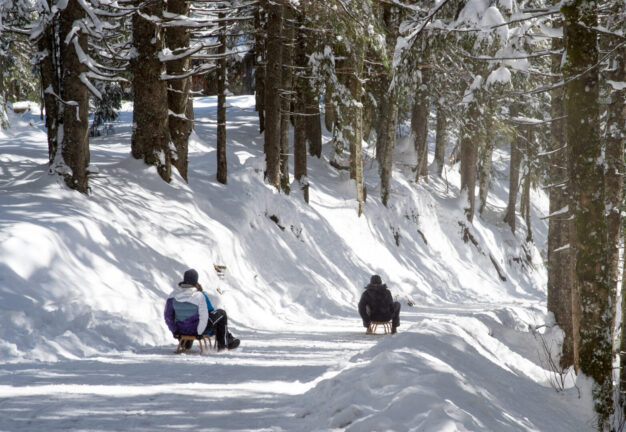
[{"x": 376, "y": 303}]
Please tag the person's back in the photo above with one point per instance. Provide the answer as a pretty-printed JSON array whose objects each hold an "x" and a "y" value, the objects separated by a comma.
[
  {"x": 188, "y": 311},
  {"x": 187, "y": 316},
  {"x": 377, "y": 304}
]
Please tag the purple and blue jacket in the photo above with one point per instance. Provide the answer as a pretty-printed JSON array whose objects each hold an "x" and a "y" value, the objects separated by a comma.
[{"x": 187, "y": 311}]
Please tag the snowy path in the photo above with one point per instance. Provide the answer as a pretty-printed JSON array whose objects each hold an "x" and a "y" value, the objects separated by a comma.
[
  {"x": 249, "y": 388},
  {"x": 257, "y": 387}
]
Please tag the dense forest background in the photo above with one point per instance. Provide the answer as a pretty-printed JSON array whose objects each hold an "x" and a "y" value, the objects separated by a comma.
[{"x": 543, "y": 79}]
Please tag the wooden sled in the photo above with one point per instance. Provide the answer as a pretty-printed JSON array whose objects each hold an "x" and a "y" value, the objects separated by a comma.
[{"x": 386, "y": 325}]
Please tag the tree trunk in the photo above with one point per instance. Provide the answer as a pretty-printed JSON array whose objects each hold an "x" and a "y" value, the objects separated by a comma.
[
  {"x": 286, "y": 94},
  {"x": 616, "y": 125},
  {"x": 387, "y": 138},
  {"x": 177, "y": 39},
  {"x": 440, "y": 141},
  {"x": 419, "y": 126},
  {"x": 614, "y": 153},
  {"x": 514, "y": 174},
  {"x": 75, "y": 145},
  {"x": 313, "y": 122},
  {"x": 50, "y": 83},
  {"x": 486, "y": 160},
  {"x": 355, "y": 122},
  {"x": 329, "y": 111},
  {"x": 559, "y": 271},
  {"x": 587, "y": 176},
  {"x": 469, "y": 156},
  {"x": 151, "y": 137},
  {"x": 525, "y": 202},
  {"x": 300, "y": 130},
  {"x": 259, "y": 61},
  {"x": 273, "y": 79},
  {"x": 386, "y": 131},
  {"x": 222, "y": 169}
]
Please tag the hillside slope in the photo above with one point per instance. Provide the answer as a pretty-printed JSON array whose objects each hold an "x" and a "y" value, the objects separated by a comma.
[{"x": 86, "y": 276}]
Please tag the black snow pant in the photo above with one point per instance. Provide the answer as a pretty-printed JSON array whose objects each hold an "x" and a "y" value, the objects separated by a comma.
[
  {"x": 218, "y": 322},
  {"x": 395, "y": 318}
]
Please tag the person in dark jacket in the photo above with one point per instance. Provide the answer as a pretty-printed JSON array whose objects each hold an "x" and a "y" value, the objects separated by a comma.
[
  {"x": 376, "y": 304},
  {"x": 188, "y": 311}
]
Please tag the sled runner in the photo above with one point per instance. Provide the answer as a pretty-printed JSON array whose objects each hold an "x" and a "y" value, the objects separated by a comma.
[
  {"x": 371, "y": 329},
  {"x": 184, "y": 340}
]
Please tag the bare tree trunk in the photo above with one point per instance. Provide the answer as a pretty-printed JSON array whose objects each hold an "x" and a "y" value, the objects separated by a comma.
[
  {"x": 440, "y": 140},
  {"x": 388, "y": 144},
  {"x": 369, "y": 117},
  {"x": 587, "y": 176},
  {"x": 614, "y": 154},
  {"x": 469, "y": 156},
  {"x": 486, "y": 161},
  {"x": 514, "y": 174},
  {"x": 180, "y": 126},
  {"x": 260, "y": 63},
  {"x": 286, "y": 94},
  {"x": 301, "y": 126},
  {"x": 50, "y": 83},
  {"x": 222, "y": 167},
  {"x": 616, "y": 123},
  {"x": 525, "y": 204},
  {"x": 419, "y": 125},
  {"x": 151, "y": 136},
  {"x": 75, "y": 145},
  {"x": 388, "y": 118},
  {"x": 329, "y": 110},
  {"x": 559, "y": 271},
  {"x": 313, "y": 122},
  {"x": 273, "y": 79},
  {"x": 355, "y": 122}
]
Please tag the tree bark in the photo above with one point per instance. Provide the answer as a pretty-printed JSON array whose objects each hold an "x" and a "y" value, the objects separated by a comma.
[
  {"x": 614, "y": 153},
  {"x": 514, "y": 174},
  {"x": 259, "y": 61},
  {"x": 486, "y": 161},
  {"x": 559, "y": 271},
  {"x": 180, "y": 127},
  {"x": 329, "y": 111},
  {"x": 286, "y": 94},
  {"x": 151, "y": 136},
  {"x": 313, "y": 122},
  {"x": 355, "y": 122},
  {"x": 387, "y": 139},
  {"x": 616, "y": 122},
  {"x": 50, "y": 83},
  {"x": 587, "y": 175},
  {"x": 440, "y": 141},
  {"x": 301, "y": 124},
  {"x": 273, "y": 79},
  {"x": 222, "y": 168},
  {"x": 75, "y": 145},
  {"x": 469, "y": 158},
  {"x": 419, "y": 125}
]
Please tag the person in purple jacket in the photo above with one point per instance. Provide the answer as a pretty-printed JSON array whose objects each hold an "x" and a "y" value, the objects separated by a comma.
[{"x": 188, "y": 311}]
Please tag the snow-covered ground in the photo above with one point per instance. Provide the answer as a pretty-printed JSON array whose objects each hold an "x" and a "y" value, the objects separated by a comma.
[{"x": 83, "y": 282}]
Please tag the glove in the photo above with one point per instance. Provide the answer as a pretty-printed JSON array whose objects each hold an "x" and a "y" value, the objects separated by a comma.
[
  {"x": 176, "y": 335},
  {"x": 366, "y": 324},
  {"x": 199, "y": 337}
]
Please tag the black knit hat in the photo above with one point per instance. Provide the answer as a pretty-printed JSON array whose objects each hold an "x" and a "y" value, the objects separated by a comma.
[
  {"x": 190, "y": 277},
  {"x": 376, "y": 280}
]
